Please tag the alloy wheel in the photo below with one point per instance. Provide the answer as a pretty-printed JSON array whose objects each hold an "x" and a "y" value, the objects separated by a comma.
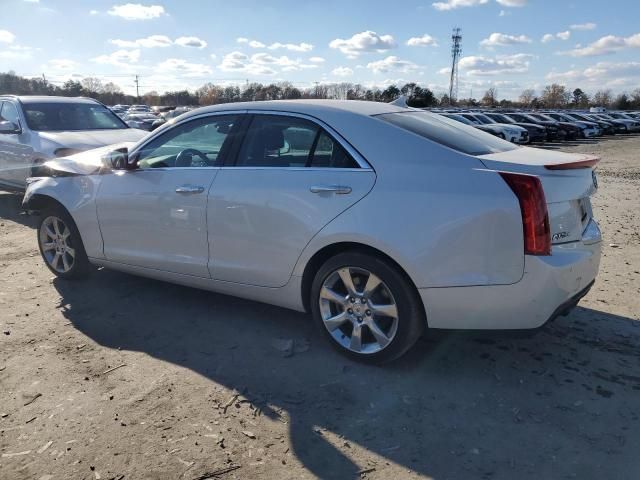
[
  {"x": 358, "y": 310},
  {"x": 55, "y": 242}
]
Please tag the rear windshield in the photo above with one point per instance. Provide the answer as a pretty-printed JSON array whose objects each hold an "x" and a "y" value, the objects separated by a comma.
[
  {"x": 52, "y": 117},
  {"x": 448, "y": 132}
]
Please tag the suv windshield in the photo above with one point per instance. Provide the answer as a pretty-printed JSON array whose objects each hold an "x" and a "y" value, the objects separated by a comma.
[
  {"x": 51, "y": 117},
  {"x": 448, "y": 132}
]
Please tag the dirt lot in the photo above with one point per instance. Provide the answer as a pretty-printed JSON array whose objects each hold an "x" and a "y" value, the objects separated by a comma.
[{"x": 125, "y": 378}]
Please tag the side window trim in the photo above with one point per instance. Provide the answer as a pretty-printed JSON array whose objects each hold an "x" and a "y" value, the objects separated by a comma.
[
  {"x": 226, "y": 152},
  {"x": 330, "y": 132},
  {"x": 162, "y": 131}
]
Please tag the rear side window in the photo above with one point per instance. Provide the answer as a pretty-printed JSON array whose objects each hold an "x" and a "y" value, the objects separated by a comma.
[
  {"x": 448, "y": 132},
  {"x": 285, "y": 141}
]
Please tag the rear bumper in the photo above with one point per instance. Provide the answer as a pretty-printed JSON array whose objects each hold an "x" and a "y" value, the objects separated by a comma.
[{"x": 550, "y": 285}]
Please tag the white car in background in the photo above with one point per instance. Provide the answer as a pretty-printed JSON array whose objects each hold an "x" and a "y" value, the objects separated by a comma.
[
  {"x": 34, "y": 129},
  {"x": 379, "y": 220},
  {"x": 509, "y": 132}
]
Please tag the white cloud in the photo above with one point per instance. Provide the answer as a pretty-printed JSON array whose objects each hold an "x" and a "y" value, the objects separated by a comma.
[
  {"x": 342, "y": 72},
  {"x": 93, "y": 12},
  {"x": 179, "y": 66},
  {"x": 317, "y": 60},
  {"x": 392, "y": 63},
  {"x": 194, "y": 42},
  {"x": 604, "y": 46},
  {"x": 119, "y": 58},
  {"x": 239, "y": 62},
  {"x": 294, "y": 47},
  {"x": 61, "y": 64},
  {"x": 32, "y": 1},
  {"x": 453, "y": 4},
  {"x": 583, "y": 26},
  {"x": 502, "y": 39},
  {"x": 6, "y": 36},
  {"x": 363, "y": 42},
  {"x": 423, "y": 41},
  {"x": 548, "y": 37},
  {"x": 151, "y": 41},
  {"x": 499, "y": 65},
  {"x": 600, "y": 75},
  {"x": 136, "y": 11}
]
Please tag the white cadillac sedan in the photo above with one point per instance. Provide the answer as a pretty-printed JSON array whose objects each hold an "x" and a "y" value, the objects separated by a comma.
[{"x": 379, "y": 220}]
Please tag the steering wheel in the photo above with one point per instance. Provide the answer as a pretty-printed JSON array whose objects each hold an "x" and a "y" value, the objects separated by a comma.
[{"x": 184, "y": 158}]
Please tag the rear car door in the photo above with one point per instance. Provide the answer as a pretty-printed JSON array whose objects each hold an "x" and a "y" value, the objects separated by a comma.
[
  {"x": 292, "y": 176},
  {"x": 155, "y": 216}
]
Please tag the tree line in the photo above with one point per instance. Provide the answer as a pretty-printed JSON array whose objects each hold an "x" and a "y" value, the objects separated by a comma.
[{"x": 552, "y": 96}]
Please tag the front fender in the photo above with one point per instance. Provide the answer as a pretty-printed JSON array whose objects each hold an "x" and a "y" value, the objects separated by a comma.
[{"x": 77, "y": 195}]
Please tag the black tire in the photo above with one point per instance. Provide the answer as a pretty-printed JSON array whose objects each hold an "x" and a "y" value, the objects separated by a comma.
[
  {"x": 80, "y": 266},
  {"x": 411, "y": 319}
]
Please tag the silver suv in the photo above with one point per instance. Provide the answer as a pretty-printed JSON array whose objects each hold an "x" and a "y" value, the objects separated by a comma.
[{"x": 34, "y": 129}]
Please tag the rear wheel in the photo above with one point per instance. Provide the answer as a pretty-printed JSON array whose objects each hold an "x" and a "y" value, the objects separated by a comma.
[
  {"x": 60, "y": 244},
  {"x": 367, "y": 307}
]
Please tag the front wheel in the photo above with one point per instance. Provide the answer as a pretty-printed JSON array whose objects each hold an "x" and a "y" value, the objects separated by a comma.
[
  {"x": 60, "y": 244},
  {"x": 366, "y": 307}
]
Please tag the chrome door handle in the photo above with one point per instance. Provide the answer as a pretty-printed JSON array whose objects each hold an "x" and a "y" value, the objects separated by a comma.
[
  {"x": 337, "y": 189},
  {"x": 189, "y": 189}
]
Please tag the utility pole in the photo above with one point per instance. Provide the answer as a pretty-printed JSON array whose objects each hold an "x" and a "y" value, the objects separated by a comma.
[
  {"x": 137, "y": 82},
  {"x": 456, "y": 52}
]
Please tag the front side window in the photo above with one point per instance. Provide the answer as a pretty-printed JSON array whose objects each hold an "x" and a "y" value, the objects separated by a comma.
[
  {"x": 64, "y": 116},
  {"x": 284, "y": 141},
  {"x": 448, "y": 132},
  {"x": 8, "y": 113},
  {"x": 199, "y": 143}
]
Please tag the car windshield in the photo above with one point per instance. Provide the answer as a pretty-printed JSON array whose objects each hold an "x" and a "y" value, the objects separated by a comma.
[
  {"x": 483, "y": 118},
  {"x": 54, "y": 117},
  {"x": 448, "y": 132},
  {"x": 500, "y": 118}
]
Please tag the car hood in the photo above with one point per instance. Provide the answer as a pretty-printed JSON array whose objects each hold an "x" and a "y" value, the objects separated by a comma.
[
  {"x": 530, "y": 125},
  {"x": 87, "y": 139},
  {"x": 84, "y": 163}
]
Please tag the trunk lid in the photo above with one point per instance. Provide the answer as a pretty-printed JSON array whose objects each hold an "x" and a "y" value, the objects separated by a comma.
[{"x": 568, "y": 180}]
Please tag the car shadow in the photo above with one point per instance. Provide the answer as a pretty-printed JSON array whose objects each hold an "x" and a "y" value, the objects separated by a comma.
[
  {"x": 11, "y": 209},
  {"x": 459, "y": 405}
]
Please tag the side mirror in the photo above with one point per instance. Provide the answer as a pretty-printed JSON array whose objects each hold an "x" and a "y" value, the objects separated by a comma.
[
  {"x": 9, "y": 127},
  {"x": 117, "y": 159}
]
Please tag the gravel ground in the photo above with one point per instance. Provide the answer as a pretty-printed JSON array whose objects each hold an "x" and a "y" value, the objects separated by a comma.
[{"x": 121, "y": 377}]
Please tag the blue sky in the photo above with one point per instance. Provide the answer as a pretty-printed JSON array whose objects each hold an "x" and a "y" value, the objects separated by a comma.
[{"x": 171, "y": 44}]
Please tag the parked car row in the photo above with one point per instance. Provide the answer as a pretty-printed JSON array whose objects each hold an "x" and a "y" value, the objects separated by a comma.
[
  {"x": 524, "y": 127},
  {"x": 145, "y": 117}
]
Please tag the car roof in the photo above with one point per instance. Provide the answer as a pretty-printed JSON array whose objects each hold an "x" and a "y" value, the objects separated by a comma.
[
  {"x": 53, "y": 99},
  {"x": 308, "y": 107}
]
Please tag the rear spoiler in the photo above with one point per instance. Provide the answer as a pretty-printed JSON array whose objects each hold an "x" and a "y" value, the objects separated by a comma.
[{"x": 587, "y": 163}]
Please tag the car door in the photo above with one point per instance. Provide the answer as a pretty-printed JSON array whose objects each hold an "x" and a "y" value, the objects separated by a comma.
[
  {"x": 155, "y": 216},
  {"x": 292, "y": 176},
  {"x": 16, "y": 154}
]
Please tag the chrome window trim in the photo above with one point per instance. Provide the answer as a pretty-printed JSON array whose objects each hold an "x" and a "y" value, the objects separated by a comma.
[{"x": 335, "y": 136}]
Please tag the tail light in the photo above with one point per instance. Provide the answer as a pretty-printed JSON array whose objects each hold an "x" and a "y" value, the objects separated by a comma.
[{"x": 533, "y": 207}]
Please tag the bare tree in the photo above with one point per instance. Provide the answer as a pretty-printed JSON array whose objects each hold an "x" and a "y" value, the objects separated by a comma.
[
  {"x": 602, "y": 98},
  {"x": 490, "y": 97},
  {"x": 92, "y": 84},
  {"x": 527, "y": 97},
  {"x": 555, "y": 96}
]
